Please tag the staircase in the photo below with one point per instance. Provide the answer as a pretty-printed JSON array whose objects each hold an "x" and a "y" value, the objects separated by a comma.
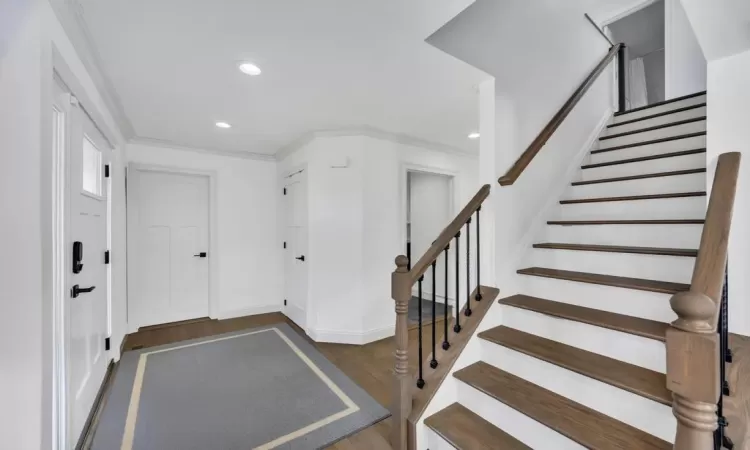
[{"x": 579, "y": 360}]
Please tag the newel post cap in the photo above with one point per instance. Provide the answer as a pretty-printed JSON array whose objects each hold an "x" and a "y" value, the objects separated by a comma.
[
  {"x": 695, "y": 312},
  {"x": 402, "y": 262}
]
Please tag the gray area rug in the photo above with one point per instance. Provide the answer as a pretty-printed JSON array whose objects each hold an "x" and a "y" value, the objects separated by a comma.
[{"x": 263, "y": 388}]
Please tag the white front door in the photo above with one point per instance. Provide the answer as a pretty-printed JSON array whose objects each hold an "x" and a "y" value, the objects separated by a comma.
[
  {"x": 86, "y": 311},
  {"x": 296, "y": 258},
  {"x": 169, "y": 214}
]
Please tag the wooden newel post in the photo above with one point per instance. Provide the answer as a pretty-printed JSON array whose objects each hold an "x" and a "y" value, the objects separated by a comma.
[
  {"x": 401, "y": 400},
  {"x": 693, "y": 370}
]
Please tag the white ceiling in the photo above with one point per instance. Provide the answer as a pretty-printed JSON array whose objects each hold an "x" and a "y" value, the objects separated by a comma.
[{"x": 327, "y": 65}]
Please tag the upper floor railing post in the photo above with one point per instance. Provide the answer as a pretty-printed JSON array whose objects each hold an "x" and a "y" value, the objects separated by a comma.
[
  {"x": 622, "y": 79},
  {"x": 401, "y": 399}
]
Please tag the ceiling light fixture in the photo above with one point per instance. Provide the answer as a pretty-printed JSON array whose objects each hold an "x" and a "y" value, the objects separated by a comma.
[
  {"x": 249, "y": 69},
  {"x": 223, "y": 125},
  {"x": 474, "y": 135}
]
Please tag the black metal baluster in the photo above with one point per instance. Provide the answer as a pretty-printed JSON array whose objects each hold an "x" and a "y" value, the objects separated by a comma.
[
  {"x": 420, "y": 381},
  {"x": 721, "y": 440},
  {"x": 446, "y": 344},
  {"x": 457, "y": 326},
  {"x": 433, "y": 362},
  {"x": 468, "y": 268},
  {"x": 478, "y": 297}
]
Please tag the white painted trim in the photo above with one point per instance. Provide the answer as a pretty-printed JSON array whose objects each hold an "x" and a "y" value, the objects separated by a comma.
[
  {"x": 253, "y": 311},
  {"x": 351, "y": 337},
  {"x": 624, "y": 12},
  {"x": 162, "y": 143},
  {"x": 214, "y": 302}
]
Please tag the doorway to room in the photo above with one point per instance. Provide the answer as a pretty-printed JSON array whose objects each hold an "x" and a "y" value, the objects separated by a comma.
[
  {"x": 642, "y": 32},
  {"x": 295, "y": 262}
]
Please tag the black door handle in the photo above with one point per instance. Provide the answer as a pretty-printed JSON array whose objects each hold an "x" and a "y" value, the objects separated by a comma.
[
  {"x": 201, "y": 255},
  {"x": 76, "y": 291},
  {"x": 301, "y": 258}
]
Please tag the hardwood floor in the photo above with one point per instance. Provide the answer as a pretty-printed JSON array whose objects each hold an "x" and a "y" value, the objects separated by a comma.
[{"x": 370, "y": 366}]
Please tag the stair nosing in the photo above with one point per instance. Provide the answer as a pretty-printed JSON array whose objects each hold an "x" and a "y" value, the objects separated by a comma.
[
  {"x": 646, "y": 158},
  {"x": 601, "y": 279},
  {"x": 578, "y": 368},
  {"x": 654, "y": 141},
  {"x": 570, "y": 223},
  {"x": 662, "y": 103},
  {"x": 640, "y": 177},
  {"x": 689, "y": 253},
  {"x": 571, "y": 433},
  {"x": 429, "y": 422},
  {"x": 508, "y": 301},
  {"x": 633, "y": 198},
  {"x": 654, "y": 116},
  {"x": 653, "y": 128}
]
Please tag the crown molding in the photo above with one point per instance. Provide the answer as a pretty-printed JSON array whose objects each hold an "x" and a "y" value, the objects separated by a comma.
[
  {"x": 71, "y": 17},
  {"x": 167, "y": 144}
]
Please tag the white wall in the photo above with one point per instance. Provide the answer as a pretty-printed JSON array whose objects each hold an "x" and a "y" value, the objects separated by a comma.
[
  {"x": 685, "y": 65},
  {"x": 728, "y": 131},
  {"x": 357, "y": 217},
  {"x": 249, "y": 253}
]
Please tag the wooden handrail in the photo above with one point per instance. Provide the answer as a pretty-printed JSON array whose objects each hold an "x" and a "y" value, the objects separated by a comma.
[
  {"x": 536, "y": 145},
  {"x": 693, "y": 347},
  {"x": 437, "y": 247}
]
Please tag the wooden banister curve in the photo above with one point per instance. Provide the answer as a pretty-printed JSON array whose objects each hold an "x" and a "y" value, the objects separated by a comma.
[{"x": 536, "y": 145}]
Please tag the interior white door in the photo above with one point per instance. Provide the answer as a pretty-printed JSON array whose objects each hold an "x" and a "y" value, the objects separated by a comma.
[
  {"x": 86, "y": 312},
  {"x": 296, "y": 258},
  {"x": 170, "y": 216}
]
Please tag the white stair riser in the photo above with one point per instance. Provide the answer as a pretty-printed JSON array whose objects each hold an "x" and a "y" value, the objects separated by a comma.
[
  {"x": 518, "y": 425},
  {"x": 656, "y": 121},
  {"x": 649, "y": 149},
  {"x": 646, "y": 415},
  {"x": 693, "y": 182},
  {"x": 672, "y": 236},
  {"x": 651, "y": 267},
  {"x": 667, "y": 208},
  {"x": 636, "y": 350},
  {"x": 676, "y": 130},
  {"x": 435, "y": 442},
  {"x": 694, "y": 161},
  {"x": 660, "y": 109},
  {"x": 631, "y": 302}
]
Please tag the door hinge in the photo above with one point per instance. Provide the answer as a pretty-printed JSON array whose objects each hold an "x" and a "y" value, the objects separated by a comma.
[
  {"x": 284, "y": 302},
  {"x": 284, "y": 244},
  {"x": 106, "y": 257},
  {"x": 106, "y": 171},
  {"x": 284, "y": 191},
  {"x": 106, "y": 344}
]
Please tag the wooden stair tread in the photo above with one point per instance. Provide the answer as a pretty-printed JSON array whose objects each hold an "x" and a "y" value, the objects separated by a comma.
[
  {"x": 638, "y": 380},
  {"x": 661, "y": 114},
  {"x": 640, "y": 177},
  {"x": 582, "y": 424},
  {"x": 645, "y": 158},
  {"x": 628, "y": 222},
  {"x": 640, "y": 284},
  {"x": 652, "y": 141},
  {"x": 619, "y": 322},
  {"x": 463, "y": 429},
  {"x": 620, "y": 249},
  {"x": 634, "y": 197},
  {"x": 663, "y": 102},
  {"x": 653, "y": 128}
]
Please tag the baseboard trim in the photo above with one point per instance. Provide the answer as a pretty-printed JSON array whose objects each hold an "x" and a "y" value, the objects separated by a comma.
[
  {"x": 253, "y": 311},
  {"x": 87, "y": 434},
  {"x": 351, "y": 337}
]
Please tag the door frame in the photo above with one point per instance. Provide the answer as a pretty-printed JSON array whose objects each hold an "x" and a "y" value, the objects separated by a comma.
[
  {"x": 214, "y": 305},
  {"x": 56, "y": 234},
  {"x": 287, "y": 174}
]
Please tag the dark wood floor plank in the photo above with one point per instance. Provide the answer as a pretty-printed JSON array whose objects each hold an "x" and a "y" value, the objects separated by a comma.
[
  {"x": 619, "y": 322},
  {"x": 633, "y": 197},
  {"x": 465, "y": 430},
  {"x": 665, "y": 287},
  {"x": 638, "y": 380},
  {"x": 584, "y": 425},
  {"x": 640, "y": 177},
  {"x": 628, "y": 222},
  {"x": 619, "y": 249}
]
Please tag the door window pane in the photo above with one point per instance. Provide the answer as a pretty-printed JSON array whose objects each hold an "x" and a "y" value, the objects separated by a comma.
[{"x": 92, "y": 168}]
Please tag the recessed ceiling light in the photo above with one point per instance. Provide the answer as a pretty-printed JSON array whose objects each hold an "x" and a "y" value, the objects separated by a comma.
[
  {"x": 249, "y": 69},
  {"x": 474, "y": 135},
  {"x": 223, "y": 125}
]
